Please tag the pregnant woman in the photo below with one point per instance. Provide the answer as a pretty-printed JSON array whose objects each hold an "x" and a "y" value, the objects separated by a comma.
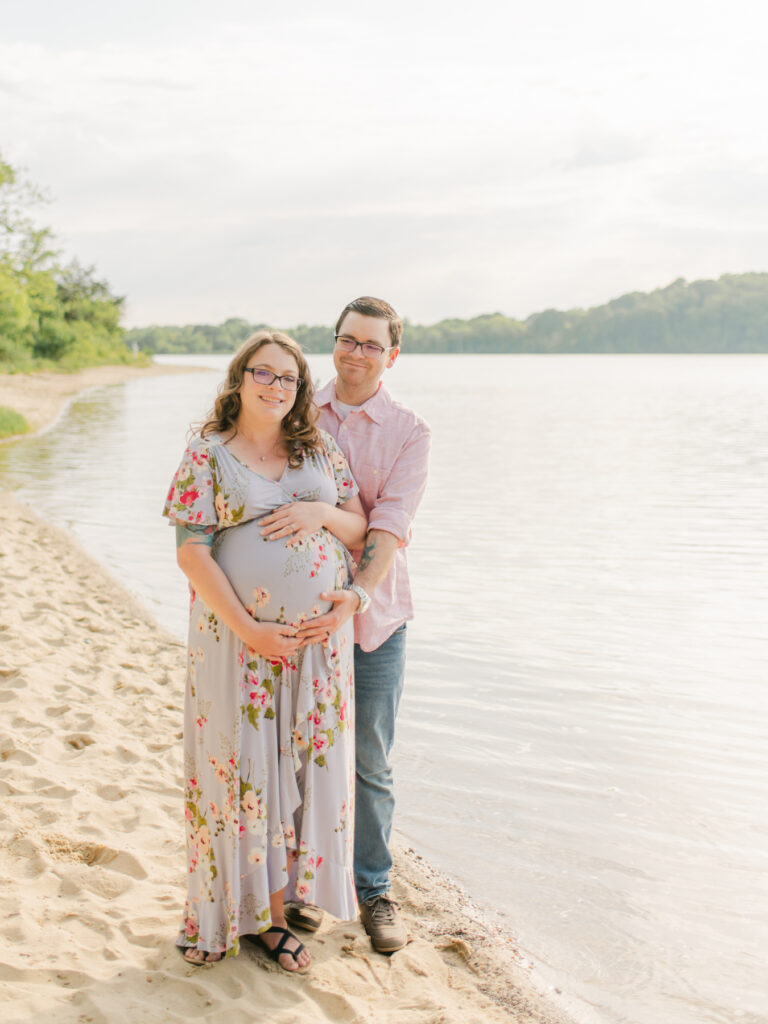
[{"x": 268, "y": 744}]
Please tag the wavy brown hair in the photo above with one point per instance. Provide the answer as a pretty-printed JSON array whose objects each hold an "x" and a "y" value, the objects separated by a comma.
[{"x": 299, "y": 430}]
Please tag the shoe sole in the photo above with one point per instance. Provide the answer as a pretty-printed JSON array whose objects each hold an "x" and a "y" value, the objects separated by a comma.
[
  {"x": 382, "y": 948},
  {"x": 298, "y": 919}
]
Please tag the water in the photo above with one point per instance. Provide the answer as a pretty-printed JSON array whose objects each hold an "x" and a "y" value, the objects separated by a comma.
[{"x": 582, "y": 740}]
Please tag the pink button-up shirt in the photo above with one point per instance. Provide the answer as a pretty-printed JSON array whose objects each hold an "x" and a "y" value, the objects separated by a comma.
[{"x": 387, "y": 447}]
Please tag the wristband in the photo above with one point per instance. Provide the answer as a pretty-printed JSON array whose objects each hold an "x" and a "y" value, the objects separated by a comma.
[{"x": 365, "y": 599}]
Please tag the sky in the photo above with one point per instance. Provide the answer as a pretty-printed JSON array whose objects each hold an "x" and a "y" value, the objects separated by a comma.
[{"x": 229, "y": 160}]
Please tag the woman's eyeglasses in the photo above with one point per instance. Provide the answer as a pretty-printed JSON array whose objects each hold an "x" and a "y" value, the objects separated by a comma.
[
  {"x": 369, "y": 348},
  {"x": 287, "y": 380}
]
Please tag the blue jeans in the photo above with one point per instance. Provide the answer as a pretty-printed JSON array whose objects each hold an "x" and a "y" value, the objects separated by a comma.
[{"x": 379, "y": 679}]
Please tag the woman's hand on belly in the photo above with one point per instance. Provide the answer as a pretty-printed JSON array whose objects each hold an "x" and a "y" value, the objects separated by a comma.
[
  {"x": 297, "y": 520},
  {"x": 210, "y": 582},
  {"x": 273, "y": 640}
]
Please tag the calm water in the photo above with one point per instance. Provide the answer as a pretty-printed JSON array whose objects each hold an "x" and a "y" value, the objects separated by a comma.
[{"x": 583, "y": 738}]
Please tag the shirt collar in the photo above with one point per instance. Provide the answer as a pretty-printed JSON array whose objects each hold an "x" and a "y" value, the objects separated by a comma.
[{"x": 375, "y": 407}]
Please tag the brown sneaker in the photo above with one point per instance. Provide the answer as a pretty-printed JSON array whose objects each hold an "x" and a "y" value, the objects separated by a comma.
[
  {"x": 383, "y": 923},
  {"x": 303, "y": 915}
]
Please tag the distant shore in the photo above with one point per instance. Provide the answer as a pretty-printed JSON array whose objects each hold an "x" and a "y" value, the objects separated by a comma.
[
  {"x": 42, "y": 397},
  {"x": 726, "y": 316}
]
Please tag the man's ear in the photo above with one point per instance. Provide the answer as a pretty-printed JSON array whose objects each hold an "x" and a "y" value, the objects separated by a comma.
[{"x": 393, "y": 354}]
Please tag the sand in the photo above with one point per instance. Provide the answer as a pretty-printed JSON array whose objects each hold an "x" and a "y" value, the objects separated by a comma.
[{"x": 91, "y": 837}]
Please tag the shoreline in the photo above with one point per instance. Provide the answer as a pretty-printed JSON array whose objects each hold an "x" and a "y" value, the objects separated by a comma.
[
  {"x": 92, "y": 844},
  {"x": 43, "y": 397}
]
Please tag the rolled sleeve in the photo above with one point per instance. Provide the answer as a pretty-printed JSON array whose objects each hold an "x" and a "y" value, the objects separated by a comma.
[
  {"x": 387, "y": 446},
  {"x": 403, "y": 490}
]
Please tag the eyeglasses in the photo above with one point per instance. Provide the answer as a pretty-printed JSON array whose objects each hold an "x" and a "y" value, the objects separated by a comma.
[
  {"x": 368, "y": 348},
  {"x": 287, "y": 381}
]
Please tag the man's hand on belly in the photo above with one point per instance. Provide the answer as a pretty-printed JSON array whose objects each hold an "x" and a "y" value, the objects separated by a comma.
[{"x": 345, "y": 604}]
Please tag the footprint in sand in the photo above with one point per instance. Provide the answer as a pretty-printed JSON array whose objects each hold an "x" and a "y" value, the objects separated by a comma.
[
  {"x": 79, "y": 741},
  {"x": 58, "y": 711},
  {"x": 44, "y": 787},
  {"x": 28, "y": 853},
  {"x": 44, "y": 815},
  {"x": 10, "y": 752},
  {"x": 110, "y": 792},
  {"x": 69, "y": 848},
  {"x": 12, "y": 678},
  {"x": 158, "y": 748},
  {"x": 126, "y": 755}
]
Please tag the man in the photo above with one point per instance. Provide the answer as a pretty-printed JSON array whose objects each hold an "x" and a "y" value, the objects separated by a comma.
[{"x": 387, "y": 447}]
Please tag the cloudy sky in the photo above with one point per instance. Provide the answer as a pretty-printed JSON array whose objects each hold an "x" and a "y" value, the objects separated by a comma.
[{"x": 229, "y": 160}]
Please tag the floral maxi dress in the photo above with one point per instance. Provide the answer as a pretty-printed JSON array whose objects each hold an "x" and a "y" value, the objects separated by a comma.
[{"x": 268, "y": 745}]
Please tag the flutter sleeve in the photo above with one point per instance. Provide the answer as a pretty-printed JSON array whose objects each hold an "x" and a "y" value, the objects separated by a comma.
[
  {"x": 190, "y": 500},
  {"x": 338, "y": 469}
]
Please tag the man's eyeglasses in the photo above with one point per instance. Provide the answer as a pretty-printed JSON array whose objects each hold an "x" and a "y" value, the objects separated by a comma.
[
  {"x": 287, "y": 380},
  {"x": 369, "y": 348}
]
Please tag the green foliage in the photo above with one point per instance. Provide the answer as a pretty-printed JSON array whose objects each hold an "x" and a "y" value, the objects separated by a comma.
[
  {"x": 51, "y": 315},
  {"x": 226, "y": 338},
  {"x": 11, "y": 422},
  {"x": 727, "y": 315},
  {"x": 193, "y": 338}
]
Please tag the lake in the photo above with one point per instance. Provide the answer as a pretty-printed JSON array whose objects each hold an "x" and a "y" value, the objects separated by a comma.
[{"x": 582, "y": 741}]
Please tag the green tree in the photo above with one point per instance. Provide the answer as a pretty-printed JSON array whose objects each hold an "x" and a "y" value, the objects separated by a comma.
[{"x": 49, "y": 314}]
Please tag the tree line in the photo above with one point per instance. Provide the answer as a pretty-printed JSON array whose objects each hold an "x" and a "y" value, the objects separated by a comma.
[
  {"x": 55, "y": 314},
  {"x": 726, "y": 315},
  {"x": 52, "y": 314}
]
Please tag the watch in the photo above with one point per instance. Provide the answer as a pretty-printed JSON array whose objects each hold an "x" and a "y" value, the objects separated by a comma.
[{"x": 365, "y": 598}]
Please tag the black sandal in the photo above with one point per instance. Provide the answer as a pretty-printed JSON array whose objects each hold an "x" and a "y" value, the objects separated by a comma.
[
  {"x": 274, "y": 954},
  {"x": 205, "y": 961}
]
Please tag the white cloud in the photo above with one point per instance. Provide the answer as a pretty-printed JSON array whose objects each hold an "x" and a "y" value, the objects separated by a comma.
[{"x": 268, "y": 165}]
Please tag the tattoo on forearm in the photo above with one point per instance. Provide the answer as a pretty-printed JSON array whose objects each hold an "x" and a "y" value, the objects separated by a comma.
[
  {"x": 193, "y": 533},
  {"x": 368, "y": 552}
]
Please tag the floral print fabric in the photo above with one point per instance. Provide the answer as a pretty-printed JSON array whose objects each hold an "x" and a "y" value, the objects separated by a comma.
[{"x": 268, "y": 745}]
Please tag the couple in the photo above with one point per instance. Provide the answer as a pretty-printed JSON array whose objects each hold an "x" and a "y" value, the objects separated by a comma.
[{"x": 281, "y": 683}]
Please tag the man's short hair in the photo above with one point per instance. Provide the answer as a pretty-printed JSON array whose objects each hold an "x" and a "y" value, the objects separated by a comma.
[{"x": 366, "y": 305}]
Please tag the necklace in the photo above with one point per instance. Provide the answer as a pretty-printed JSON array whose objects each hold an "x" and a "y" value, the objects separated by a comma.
[
  {"x": 272, "y": 453},
  {"x": 248, "y": 448}
]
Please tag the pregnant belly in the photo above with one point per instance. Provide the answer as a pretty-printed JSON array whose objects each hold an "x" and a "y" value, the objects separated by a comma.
[{"x": 279, "y": 583}]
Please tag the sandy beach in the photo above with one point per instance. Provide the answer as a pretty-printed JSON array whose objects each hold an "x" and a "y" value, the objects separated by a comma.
[{"x": 91, "y": 841}]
